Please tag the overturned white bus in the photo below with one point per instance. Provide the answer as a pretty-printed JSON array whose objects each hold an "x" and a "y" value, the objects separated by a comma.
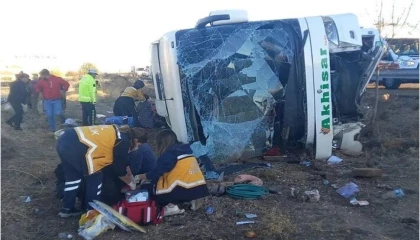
[{"x": 240, "y": 88}]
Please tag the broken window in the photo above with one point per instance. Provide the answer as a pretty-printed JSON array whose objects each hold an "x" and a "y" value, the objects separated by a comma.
[{"x": 239, "y": 82}]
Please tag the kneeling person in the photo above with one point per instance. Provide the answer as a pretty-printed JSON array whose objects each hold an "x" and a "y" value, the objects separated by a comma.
[
  {"x": 84, "y": 152},
  {"x": 177, "y": 175}
]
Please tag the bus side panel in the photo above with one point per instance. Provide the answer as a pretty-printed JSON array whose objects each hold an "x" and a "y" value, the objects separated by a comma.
[
  {"x": 322, "y": 88},
  {"x": 310, "y": 106},
  {"x": 172, "y": 86},
  {"x": 157, "y": 81}
]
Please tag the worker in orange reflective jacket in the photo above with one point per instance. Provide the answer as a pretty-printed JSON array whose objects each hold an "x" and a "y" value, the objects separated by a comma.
[{"x": 84, "y": 152}]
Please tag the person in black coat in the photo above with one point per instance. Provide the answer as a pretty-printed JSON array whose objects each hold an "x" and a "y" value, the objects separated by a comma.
[{"x": 19, "y": 94}]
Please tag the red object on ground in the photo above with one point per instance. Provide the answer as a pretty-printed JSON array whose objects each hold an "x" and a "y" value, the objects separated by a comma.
[
  {"x": 274, "y": 151},
  {"x": 140, "y": 212}
]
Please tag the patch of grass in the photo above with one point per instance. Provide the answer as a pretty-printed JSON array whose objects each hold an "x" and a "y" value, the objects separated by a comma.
[{"x": 277, "y": 225}]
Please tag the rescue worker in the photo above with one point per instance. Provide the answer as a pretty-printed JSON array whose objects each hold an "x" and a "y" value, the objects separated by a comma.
[
  {"x": 84, "y": 152},
  {"x": 125, "y": 104},
  {"x": 177, "y": 176},
  {"x": 19, "y": 94},
  {"x": 51, "y": 86},
  {"x": 87, "y": 97}
]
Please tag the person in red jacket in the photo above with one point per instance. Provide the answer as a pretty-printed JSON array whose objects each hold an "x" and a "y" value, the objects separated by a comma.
[{"x": 51, "y": 86}]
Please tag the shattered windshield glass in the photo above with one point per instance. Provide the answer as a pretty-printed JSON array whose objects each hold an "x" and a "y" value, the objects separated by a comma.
[{"x": 234, "y": 80}]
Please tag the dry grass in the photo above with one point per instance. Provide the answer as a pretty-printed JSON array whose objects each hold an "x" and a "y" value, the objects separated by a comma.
[{"x": 277, "y": 225}]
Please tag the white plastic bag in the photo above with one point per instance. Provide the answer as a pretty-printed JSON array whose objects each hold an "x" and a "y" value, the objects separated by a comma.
[{"x": 95, "y": 227}]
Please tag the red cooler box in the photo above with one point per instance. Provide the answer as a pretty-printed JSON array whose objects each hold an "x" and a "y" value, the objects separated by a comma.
[{"x": 140, "y": 212}]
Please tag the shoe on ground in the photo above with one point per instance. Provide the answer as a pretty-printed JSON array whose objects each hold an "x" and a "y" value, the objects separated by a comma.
[
  {"x": 66, "y": 213},
  {"x": 10, "y": 123},
  {"x": 172, "y": 210},
  {"x": 196, "y": 204},
  {"x": 18, "y": 128}
]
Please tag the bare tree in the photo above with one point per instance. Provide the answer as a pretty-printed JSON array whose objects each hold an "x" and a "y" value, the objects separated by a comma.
[{"x": 396, "y": 21}]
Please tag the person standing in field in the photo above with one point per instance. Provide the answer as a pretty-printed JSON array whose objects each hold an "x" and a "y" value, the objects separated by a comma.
[
  {"x": 34, "y": 94},
  {"x": 50, "y": 86},
  {"x": 87, "y": 97},
  {"x": 18, "y": 95}
]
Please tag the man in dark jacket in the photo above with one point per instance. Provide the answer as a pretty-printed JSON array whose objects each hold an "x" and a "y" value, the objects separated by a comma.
[
  {"x": 19, "y": 94},
  {"x": 125, "y": 104}
]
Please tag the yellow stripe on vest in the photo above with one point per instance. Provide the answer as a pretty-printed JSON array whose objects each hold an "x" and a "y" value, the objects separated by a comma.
[
  {"x": 100, "y": 141},
  {"x": 186, "y": 174}
]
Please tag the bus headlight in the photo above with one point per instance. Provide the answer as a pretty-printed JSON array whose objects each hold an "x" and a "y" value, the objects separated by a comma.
[{"x": 406, "y": 63}]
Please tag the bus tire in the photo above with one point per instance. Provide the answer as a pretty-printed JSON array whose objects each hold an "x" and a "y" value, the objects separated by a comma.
[{"x": 391, "y": 83}]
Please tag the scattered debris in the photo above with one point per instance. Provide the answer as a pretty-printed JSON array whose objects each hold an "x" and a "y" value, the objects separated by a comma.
[
  {"x": 348, "y": 190},
  {"x": 217, "y": 190},
  {"x": 397, "y": 193},
  {"x": 367, "y": 172},
  {"x": 384, "y": 186},
  {"x": 250, "y": 234},
  {"x": 326, "y": 182},
  {"x": 307, "y": 196},
  {"x": 306, "y": 163},
  {"x": 294, "y": 192},
  {"x": 209, "y": 210},
  {"x": 334, "y": 160},
  {"x": 244, "y": 222},
  {"x": 100, "y": 116},
  {"x": 36, "y": 211},
  {"x": 250, "y": 215},
  {"x": 355, "y": 202},
  {"x": 335, "y": 186},
  {"x": 94, "y": 227},
  {"x": 28, "y": 199},
  {"x": 64, "y": 235},
  {"x": 312, "y": 196}
]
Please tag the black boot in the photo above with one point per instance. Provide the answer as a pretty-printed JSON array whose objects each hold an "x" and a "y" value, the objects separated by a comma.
[{"x": 9, "y": 122}]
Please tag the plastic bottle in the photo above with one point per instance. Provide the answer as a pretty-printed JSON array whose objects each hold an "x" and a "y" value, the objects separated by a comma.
[{"x": 397, "y": 193}]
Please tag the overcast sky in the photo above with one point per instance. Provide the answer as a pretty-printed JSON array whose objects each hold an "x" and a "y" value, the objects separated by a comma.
[{"x": 117, "y": 34}]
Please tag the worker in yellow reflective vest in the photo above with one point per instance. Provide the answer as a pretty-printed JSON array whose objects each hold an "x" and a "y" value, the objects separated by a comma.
[
  {"x": 177, "y": 177},
  {"x": 84, "y": 152},
  {"x": 87, "y": 97}
]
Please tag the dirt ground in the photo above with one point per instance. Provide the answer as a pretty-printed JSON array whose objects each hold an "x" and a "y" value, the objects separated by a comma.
[{"x": 28, "y": 160}]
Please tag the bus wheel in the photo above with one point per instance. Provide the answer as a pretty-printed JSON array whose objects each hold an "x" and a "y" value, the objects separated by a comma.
[{"x": 391, "y": 83}]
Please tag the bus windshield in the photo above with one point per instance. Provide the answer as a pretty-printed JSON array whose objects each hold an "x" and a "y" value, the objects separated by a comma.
[{"x": 404, "y": 46}]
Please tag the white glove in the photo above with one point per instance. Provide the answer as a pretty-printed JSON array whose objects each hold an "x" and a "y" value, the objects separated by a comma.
[
  {"x": 137, "y": 178},
  {"x": 132, "y": 185}
]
